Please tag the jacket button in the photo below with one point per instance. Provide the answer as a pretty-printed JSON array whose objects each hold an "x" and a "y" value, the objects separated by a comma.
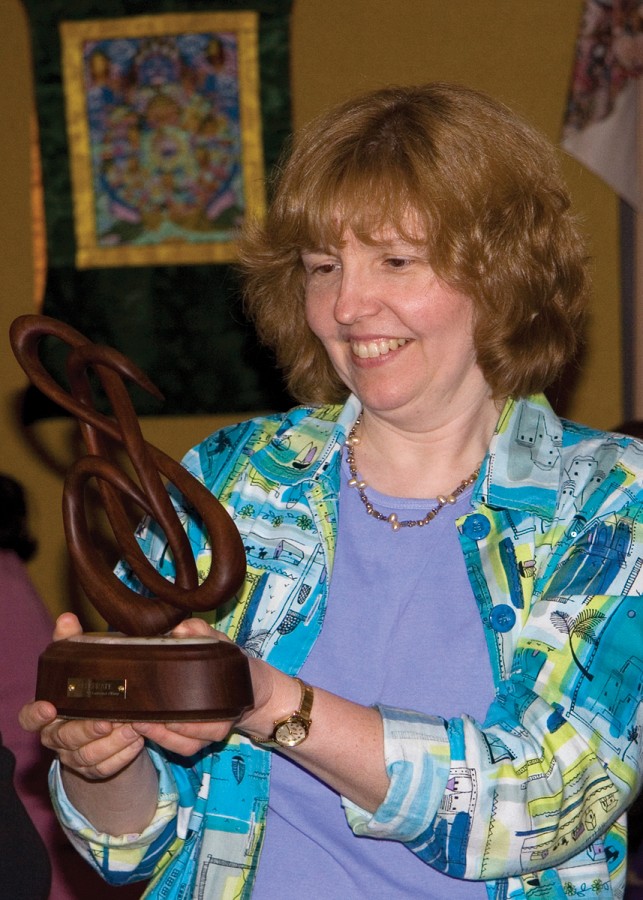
[
  {"x": 502, "y": 618},
  {"x": 476, "y": 527}
]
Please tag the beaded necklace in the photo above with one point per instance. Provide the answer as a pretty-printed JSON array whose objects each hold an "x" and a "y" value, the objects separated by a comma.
[{"x": 392, "y": 519}]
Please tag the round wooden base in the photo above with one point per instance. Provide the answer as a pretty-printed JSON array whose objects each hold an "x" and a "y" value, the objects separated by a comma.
[{"x": 159, "y": 679}]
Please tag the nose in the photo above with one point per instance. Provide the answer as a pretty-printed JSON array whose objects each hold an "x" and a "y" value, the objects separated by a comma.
[{"x": 356, "y": 297}]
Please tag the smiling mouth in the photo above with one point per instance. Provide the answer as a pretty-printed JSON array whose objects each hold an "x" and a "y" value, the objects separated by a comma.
[{"x": 373, "y": 349}]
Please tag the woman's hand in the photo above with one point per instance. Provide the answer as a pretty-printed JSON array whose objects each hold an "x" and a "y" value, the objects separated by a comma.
[
  {"x": 93, "y": 748},
  {"x": 97, "y": 749},
  {"x": 107, "y": 774},
  {"x": 187, "y": 738},
  {"x": 345, "y": 747}
]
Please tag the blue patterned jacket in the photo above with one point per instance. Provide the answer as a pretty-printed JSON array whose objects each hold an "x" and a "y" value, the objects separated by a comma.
[{"x": 531, "y": 800}]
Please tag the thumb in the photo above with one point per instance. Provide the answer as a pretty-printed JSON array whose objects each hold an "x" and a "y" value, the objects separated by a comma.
[
  {"x": 67, "y": 625},
  {"x": 194, "y": 628}
]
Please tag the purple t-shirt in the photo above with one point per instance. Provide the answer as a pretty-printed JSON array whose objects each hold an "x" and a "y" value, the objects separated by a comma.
[{"x": 400, "y": 625}]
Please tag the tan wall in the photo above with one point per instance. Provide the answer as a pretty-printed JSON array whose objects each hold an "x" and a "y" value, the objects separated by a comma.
[{"x": 519, "y": 50}]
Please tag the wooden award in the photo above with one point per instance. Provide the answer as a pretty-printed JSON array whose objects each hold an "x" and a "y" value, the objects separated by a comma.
[{"x": 137, "y": 672}]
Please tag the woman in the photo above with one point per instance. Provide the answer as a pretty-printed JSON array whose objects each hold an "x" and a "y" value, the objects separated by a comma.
[{"x": 471, "y": 700}]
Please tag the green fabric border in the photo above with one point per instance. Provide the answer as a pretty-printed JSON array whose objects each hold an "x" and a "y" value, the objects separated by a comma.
[{"x": 183, "y": 325}]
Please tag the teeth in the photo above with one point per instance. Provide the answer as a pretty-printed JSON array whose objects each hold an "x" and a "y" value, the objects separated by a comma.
[{"x": 372, "y": 349}]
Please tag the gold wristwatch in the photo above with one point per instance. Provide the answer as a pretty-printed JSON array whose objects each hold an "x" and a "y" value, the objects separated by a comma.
[{"x": 293, "y": 730}]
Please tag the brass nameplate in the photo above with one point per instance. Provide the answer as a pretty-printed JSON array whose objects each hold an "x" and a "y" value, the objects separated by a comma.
[{"x": 90, "y": 687}]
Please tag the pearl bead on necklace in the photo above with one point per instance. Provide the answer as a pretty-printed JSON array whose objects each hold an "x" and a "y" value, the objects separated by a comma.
[{"x": 392, "y": 519}]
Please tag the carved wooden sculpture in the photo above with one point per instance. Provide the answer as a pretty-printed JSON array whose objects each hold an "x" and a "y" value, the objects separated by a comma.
[{"x": 139, "y": 673}]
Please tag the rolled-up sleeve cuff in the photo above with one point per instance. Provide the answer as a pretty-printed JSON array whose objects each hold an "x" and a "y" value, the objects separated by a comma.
[
  {"x": 417, "y": 757},
  {"x": 85, "y": 837}
]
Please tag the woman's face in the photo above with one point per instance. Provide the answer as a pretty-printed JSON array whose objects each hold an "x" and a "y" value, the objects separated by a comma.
[{"x": 397, "y": 336}]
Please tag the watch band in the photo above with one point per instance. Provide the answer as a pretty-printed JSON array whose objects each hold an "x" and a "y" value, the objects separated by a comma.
[{"x": 293, "y": 729}]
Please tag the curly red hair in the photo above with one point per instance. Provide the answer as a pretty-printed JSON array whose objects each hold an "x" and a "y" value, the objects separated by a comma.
[{"x": 485, "y": 189}]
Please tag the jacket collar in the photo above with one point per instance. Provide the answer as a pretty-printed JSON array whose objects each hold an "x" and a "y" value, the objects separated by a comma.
[
  {"x": 522, "y": 468},
  {"x": 305, "y": 443}
]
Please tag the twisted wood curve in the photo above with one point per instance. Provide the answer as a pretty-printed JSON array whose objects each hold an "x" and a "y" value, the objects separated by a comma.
[{"x": 125, "y": 609}]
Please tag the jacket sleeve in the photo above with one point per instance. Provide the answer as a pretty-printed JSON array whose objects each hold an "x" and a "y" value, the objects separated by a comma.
[{"x": 129, "y": 857}]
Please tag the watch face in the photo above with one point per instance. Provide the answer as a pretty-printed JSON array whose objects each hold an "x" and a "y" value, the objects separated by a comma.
[{"x": 291, "y": 732}]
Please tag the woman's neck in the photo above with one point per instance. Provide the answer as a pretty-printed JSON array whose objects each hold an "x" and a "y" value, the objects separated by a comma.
[{"x": 425, "y": 460}]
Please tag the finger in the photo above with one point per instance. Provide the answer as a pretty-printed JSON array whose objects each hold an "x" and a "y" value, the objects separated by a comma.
[
  {"x": 35, "y": 716},
  {"x": 103, "y": 757},
  {"x": 115, "y": 763},
  {"x": 184, "y": 738},
  {"x": 73, "y": 734},
  {"x": 194, "y": 628},
  {"x": 67, "y": 625}
]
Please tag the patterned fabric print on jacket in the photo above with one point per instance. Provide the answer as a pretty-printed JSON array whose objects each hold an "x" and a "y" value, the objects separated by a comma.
[
  {"x": 549, "y": 767},
  {"x": 587, "y": 663},
  {"x": 286, "y": 514}
]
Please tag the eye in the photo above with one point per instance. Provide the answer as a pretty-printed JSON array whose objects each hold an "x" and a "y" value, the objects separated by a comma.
[
  {"x": 324, "y": 268},
  {"x": 319, "y": 264},
  {"x": 398, "y": 262}
]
